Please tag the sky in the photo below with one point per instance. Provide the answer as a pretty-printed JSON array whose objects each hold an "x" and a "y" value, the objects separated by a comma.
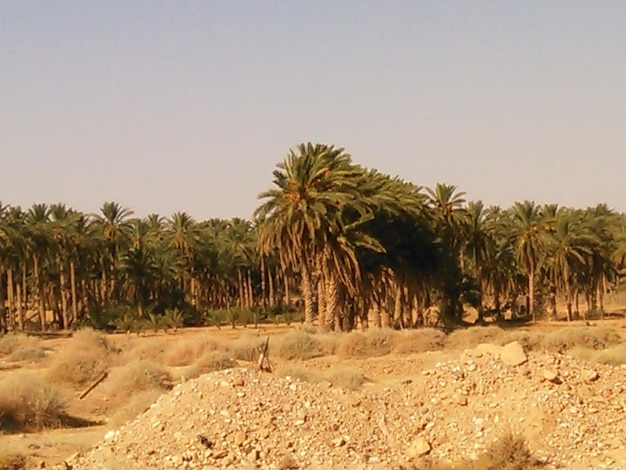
[{"x": 169, "y": 106}]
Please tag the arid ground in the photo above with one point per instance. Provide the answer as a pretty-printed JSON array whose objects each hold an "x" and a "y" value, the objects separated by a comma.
[{"x": 380, "y": 399}]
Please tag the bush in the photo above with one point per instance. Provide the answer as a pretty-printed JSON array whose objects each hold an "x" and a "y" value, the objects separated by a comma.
[
  {"x": 27, "y": 354},
  {"x": 83, "y": 360},
  {"x": 614, "y": 356},
  {"x": 418, "y": 341},
  {"x": 510, "y": 452},
  {"x": 137, "y": 376},
  {"x": 327, "y": 343},
  {"x": 185, "y": 352},
  {"x": 374, "y": 342},
  {"x": 13, "y": 342},
  {"x": 296, "y": 344},
  {"x": 468, "y": 338},
  {"x": 209, "y": 362},
  {"x": 342, "y": 377},
  {"x": 138, "y": 404},
  {"x": 587, "y": 337},
  {"x": 247, "y": 347},
  {"x": 12, "y": 461},
  {"x": 153, "y": 349},
  {"x": 27, "y": 402}
]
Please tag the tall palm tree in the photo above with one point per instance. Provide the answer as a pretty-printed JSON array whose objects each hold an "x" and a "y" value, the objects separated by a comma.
[{"x": 313, "y": 186}]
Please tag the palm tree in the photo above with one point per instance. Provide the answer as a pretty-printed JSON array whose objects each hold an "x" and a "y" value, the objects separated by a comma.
[
  {"x": 527, "y": 237},
  {"x": 314, "y": 185},
  {"x": 38, "y": 218}
]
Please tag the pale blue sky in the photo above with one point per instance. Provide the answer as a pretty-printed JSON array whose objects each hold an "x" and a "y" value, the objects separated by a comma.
[{"x": 188, "y": 105}]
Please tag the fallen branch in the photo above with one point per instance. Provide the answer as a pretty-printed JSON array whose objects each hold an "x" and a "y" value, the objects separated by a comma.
[
  {"x": 93, "y": 385},
  {"x": 264, "y": 357}
]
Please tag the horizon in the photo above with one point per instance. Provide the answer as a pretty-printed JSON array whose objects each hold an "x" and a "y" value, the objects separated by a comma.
[{"x": 166, "y": 108}]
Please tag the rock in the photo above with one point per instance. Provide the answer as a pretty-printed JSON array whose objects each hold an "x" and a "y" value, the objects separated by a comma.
[
  {"x": 513, "y": 354},
  {"x": 239, "y": 438},
  {"x": 550, "y": 376},
  {"x": 486, "y": 348},
  {"x": 418, "y": 448},
  {"x": 590, "y": 375},
  {"x": 462, "y": 400},
  {"x": 238, "y": 382}
]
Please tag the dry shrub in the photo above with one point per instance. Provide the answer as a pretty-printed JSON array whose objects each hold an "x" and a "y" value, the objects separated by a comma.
[
  {"x": 186, "y": 351},
  {"x": 27, "y": 353},
  {"x": 344, "y": 377},
  {"x": 142, "y": 349},
  {"x": 298, "y": 372},
  {"x": 12, "y": 343},
  {"x": 587, "y": 337},
  {"x": 137, "y": 376},
  {"x": 529, "y": 341},
  {"x": 468, "y": 338},
  {"x": 510, "y": 452},
  {"x": 327, "y": 343},
  {"x": 10, "y": 460},
  {"x": 372, "y": 343},
  {"x": 210, "y": 361},
  {"x": 585, "y": 354},
  {"x": 82, "y": 360},
  {"x": 247, "y": 347},
  {"x": 614, "y": 356},
  {"x": 135, "y": 406},
  {"x": 419, "y": 341},
  {"x": 297, "y": 344},
  {"x": 27, "y": 402}
]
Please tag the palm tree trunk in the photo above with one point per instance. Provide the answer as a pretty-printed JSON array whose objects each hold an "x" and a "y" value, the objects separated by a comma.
[
  {"x": 374, "y": 314},
  {"x": 333, "y": 316},
  {"x": 287, "y": 295},
  {"x": 531, "y": 295},
  {"x": 73, "y": 288},
  {"x": 10, "y": 299},
  {"x": 397, "y": 308},
  {"x": 307, "y": 292},
  {"x": 241, "y": 302},
  {"x": 249, "y": 291},
  {"x": 40, "y": 301},
  {"x": 263, "y": 277},
  {"x": 20, "y": 309},
  {"x": 63, "y": 292},
  {"x": 322, "y": 312},
  {"x": 568, "y": 300},
  {"x": 4, "y": 323},
  {"x": 270, "y": 286}
]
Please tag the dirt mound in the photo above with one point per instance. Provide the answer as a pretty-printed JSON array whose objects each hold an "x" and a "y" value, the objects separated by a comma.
[{"x": 572, "y": 415}]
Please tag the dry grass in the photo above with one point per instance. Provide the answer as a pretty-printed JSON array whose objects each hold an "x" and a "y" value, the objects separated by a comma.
[
  {"x": 419, "y": 341},
  {"x": 614, "y": 356},
  {"x": 11, "y": 343},
  {"x": 27, "y": 353},
  {"x": 185, "y": 352},
  {"x": 328, "y": 343},
  {"x": 246, "y": 347},
  {"x": 342, "y": 377},
  {"x": 295, "y": 345},
  {"x": 141, "y": 349},
  {"x": 135, "y": 377},
  {"x": 468, "y": 338},
  {"x": 597, "y": 338},
  {"x": 10, "y": 460},
  {"x": 510, "y": 452},
  {"x": 82, "y": 360},
  {"x": 135, "y": 406},
  {"x": 372, "y": 343},
  {"x": 27, "y": 402},
  {"x": 210, "y": 361}
]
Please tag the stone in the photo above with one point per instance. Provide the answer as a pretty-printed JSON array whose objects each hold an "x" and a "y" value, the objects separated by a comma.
[
  {"x": 239, "y": 438},
  {"x": 513, "y": 354},
  {"x": 418, "y": 448},
  {"x": 550, "y": 376},
  {"x": 238, "y": 382},
  {"x": 590, "y": 375}
]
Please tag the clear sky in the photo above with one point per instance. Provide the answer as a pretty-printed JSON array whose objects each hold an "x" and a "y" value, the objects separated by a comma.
[{"x": 188, "y": 105}]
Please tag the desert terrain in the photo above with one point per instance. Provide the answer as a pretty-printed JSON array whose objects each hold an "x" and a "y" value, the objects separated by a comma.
[{"x": 547, "y": 395}]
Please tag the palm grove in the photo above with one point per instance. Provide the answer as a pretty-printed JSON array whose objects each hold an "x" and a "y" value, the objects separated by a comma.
[{"x": 343, "y": 245}]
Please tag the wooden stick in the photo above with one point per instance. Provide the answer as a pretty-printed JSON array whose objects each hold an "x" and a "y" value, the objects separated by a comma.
[
  {"x": 93, "y": 385},
  {"x": 263, "y": 355}
]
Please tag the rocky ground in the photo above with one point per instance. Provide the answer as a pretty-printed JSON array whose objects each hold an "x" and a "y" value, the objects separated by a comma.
[{"x": 572, "y": 414}]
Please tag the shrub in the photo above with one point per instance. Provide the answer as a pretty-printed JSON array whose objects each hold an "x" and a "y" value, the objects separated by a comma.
[
  {"x": 83, "y": 360},
  {"x": 510, "y": 452},
  {"x": 327, "y": 343},
  {"x": 418, "y": 341},
  {"x": 372, "y": 343},
  {"x": 298, "y": 372},
  {"x": 137, "y": 376},
  {"x": 588, "y": 337},
  {"x": 10, "y": 460},
  {"x": 185, "y": 352},
  {"x": 28, "y": 402},
  {"x": 27, "y": 353},
  {"x": 344, "y": 377},
  {"x": 210, "y": 361},
  {"x": 137, "y": 404},
  {"x": 296, "y": 344},
  {"x": 13, "y": 342},
  {"x": 468, "y": 338},
  {"x": 614, "y": 356},
  {"x": 247, "y": 347},
  {"x": 153, "y": 349}
]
